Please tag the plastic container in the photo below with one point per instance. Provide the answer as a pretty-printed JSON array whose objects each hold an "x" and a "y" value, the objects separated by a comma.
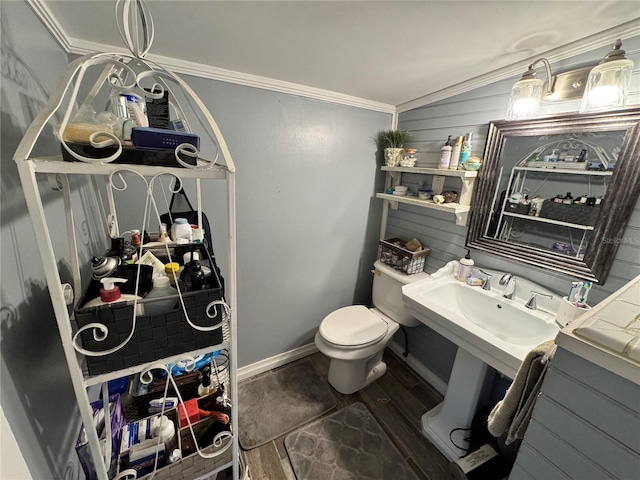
[
  {"x": 466, "y": 267},
  {"x": 161, "y": 288},
  {"x": 181, "y": 229},
  {"x": 171, "y": 269}
]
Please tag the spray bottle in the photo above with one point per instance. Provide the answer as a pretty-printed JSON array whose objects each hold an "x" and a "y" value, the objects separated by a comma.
[{"x": 465, "y": 153}]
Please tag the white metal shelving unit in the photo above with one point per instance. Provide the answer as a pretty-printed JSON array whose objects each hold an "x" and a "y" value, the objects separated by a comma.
[
  {"x": 125, "y": 73},
  {"x": 29, "y": 169}
]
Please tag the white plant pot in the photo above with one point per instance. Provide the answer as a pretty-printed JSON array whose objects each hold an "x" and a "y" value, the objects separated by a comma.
[{"x": 392, "y": 156}]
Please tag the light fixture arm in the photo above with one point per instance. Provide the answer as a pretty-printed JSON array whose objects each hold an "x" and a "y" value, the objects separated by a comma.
[{"x": 531, "y": 73}]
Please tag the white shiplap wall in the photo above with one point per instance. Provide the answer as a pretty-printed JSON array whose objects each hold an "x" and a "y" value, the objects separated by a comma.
[{"x": 471, "y": 112}]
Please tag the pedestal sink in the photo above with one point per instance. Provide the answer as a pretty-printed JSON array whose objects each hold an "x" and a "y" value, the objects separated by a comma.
[{"x": 489, "y": 330}]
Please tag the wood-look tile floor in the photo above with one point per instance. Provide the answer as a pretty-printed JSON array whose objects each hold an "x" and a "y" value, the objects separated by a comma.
[{"x": 398, "y": 400}]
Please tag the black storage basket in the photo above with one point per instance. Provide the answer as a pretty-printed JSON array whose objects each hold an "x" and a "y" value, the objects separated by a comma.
[
  {"x": 570, "y": 213},
  {"x": 155, "y": 336}
]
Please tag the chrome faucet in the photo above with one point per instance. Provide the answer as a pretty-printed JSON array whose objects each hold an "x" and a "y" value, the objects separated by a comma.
[
  {"x": 486, "y": 281},
  {"x": 532, "y": 301},
  {"x": 509, "y": 280}
]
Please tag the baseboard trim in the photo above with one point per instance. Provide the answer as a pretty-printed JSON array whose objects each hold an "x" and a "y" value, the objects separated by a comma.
[
  {"x": 276, "y": 361},
  {"x": 430, "y": 377}
]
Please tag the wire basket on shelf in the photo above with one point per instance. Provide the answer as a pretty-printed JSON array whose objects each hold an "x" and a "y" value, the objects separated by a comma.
[{"x": 393, "y": 252}]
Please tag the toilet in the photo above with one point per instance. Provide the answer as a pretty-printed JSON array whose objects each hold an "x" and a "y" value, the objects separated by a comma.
[{"x": 354, "y": 337}]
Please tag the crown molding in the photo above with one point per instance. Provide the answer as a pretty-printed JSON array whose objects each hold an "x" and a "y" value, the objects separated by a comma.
[
  {"x": 46, "y": 17},
  {"x": 585, "y": 45},
  {"x": 82, "y": 47}
]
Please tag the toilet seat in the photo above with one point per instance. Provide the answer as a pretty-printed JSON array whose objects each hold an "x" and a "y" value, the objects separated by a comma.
[{"x": 354, "y": 326}]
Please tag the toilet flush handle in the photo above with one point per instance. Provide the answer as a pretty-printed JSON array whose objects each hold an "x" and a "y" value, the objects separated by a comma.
[{"x": 375, "y": 272}]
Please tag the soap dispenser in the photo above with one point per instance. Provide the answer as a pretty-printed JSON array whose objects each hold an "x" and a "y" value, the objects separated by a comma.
[
  {"x": 466, "y": 267},
  {"x": 110, "y": 293}
]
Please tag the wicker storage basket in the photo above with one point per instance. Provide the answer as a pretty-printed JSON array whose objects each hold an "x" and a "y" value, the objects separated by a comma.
[
  {"x": 570, "y": 213},
  {"x": 155, "y": 336},
  {"x": 393, "y": 253}
]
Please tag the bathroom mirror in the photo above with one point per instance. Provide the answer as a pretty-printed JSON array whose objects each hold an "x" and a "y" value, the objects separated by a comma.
[{"x": 557, "y": 192}]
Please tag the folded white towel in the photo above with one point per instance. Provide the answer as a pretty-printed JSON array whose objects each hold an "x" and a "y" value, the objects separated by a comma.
[{"x": 512, "y": 414}]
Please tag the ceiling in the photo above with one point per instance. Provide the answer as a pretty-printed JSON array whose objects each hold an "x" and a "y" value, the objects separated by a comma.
[{"x": 390, "y": 52}]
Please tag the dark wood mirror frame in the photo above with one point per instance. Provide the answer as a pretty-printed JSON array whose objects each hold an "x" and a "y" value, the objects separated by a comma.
[{"x": 613, "y": 217}]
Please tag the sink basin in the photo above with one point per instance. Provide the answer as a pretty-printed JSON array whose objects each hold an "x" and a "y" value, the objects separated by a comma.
[
  {"x": 497, "y": 330},
  {"x": 495, "y": 314}
]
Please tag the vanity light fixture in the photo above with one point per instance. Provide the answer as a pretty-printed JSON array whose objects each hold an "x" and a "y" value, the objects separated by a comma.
[
  {"x": 601, "y": 86},
  {"x": 608, "y": 83}
]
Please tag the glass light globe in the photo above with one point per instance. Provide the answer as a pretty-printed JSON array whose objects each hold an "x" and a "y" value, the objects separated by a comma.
[
  {"x": 525, "y": 99},
  {"x": 607, "y": 86}
]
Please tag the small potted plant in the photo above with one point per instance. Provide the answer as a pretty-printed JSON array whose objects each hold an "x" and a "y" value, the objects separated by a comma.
[{"x": 392, "y": 141}]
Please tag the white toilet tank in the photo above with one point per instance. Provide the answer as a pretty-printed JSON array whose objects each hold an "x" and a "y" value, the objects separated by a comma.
[{"x": 387, "y": 293}]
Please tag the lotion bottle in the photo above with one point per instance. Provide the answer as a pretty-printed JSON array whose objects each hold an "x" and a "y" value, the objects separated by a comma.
[
  {"x": 445, "y": 155},
  {"x": 466, "y": 267},
  {"x": 110, "y": 293},
  {"x": 455, "y": 153}
]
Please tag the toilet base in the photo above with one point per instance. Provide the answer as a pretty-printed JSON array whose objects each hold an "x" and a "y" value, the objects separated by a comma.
[{"x": 349, "y": 376}]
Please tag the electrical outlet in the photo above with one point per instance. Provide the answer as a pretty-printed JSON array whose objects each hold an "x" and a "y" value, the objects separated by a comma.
[{"x": 438, "y": 184}]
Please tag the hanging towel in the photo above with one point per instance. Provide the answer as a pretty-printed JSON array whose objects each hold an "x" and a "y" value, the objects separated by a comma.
[{"x": 513, "y": 412}]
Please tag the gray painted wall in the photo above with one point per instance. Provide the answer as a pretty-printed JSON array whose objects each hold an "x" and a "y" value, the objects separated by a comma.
[
  {"x": 308, "y": 226},
  {"x": 36, "y": 393},
  {"x": 471, "y": 112},
  {"x": 584, "y": 424}
]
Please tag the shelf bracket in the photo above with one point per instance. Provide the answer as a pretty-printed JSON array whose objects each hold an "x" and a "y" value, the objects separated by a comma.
[
  {"x": 461, "y": 218},
  {"x": 467, "y": 190}
]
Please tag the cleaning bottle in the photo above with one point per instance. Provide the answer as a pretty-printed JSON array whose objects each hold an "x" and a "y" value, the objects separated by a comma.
[
  {"x": 455, "y": 153},
  {"x": 205, "y": 388},
  {"x": 445, "y": 155},
  {"x": 465, "y": 153},
  {"x": 110, "y": 293},
  {"x": 161, "y": 288},
  {"x": 466, "y": 267}
]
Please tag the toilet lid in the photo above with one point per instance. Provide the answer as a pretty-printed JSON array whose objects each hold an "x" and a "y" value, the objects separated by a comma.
[{"x": 353, "y": 326}]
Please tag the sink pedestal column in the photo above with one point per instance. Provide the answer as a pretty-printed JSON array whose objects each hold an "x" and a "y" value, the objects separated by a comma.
[{"x": 468, "y": 382}]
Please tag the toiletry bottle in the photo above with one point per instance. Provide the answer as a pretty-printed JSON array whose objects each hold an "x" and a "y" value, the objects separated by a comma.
[
  {"x": 171, "y": 269},
  {"x": 205, "y": 388},
  {"x": 568, "y": 199},
  {"x": 445, "y": 155},
  {"x": 110, "y": 293},
  {"x": 465, "y": 153},
  {"x": 192, "y": 276},
  {"x": 455, "y": 153},
  {"x": 466, "y": 267},
  {"x": 136, "y": 241},
  {"x": 161, "y": 288},
  {"x": 127, "y": 253}
]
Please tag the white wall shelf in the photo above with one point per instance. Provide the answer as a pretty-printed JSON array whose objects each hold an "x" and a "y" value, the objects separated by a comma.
[{"x": 460, "y": 209}]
